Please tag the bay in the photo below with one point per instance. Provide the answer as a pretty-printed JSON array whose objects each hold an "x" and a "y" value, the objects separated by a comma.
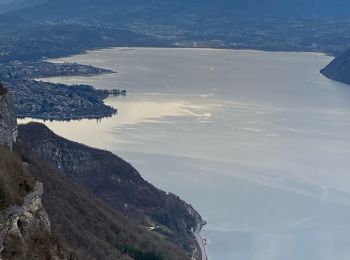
[{"x": 258, "y": 142}]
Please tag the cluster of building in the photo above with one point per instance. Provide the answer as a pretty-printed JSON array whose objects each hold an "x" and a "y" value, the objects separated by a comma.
[
  {"x": 51, "y": 101},
  {"x": 20, "y": 69}
]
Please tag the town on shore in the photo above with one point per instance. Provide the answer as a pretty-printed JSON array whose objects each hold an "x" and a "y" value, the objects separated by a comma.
[{"x": 52, "y": 101}]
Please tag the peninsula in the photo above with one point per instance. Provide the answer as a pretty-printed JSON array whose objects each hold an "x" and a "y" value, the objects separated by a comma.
[{"x": 49, "y": 101}]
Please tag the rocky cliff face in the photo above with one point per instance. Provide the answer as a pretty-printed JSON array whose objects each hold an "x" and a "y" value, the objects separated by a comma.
[
  {"x": 93, "y": 229},
  {"x": 117, "y": 183},
  {"x": 24, "y": 224},
  {"x": 8, "y": 123},
  {"x": 24, "y": 227}
]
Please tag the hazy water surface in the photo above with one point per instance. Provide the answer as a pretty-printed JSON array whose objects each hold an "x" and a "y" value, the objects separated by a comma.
[{"x": 258, "y": 142}]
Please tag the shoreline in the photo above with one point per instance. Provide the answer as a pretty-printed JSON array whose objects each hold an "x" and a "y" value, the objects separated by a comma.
[
  {"x": 125, "y": 48},
  {"x": 112, "y": 111},
  {"x": 67, "y": 119},
  {"x": 200, "y": 252},
  {"x": 202, "y": 246},
  {"x": 83, "y": 75}
]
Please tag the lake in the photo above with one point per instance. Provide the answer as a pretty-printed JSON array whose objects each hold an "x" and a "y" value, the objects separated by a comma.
[{"x": 257, "y": 142}]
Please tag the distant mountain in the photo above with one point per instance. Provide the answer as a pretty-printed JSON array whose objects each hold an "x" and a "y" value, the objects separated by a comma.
[
  {"x": 59, "y": 28},
  {"x": 10, "y": 5},
  {"x": 155, "y": 10},
  {"x": 339, "y": 68},
  {"x": 7, "y": 21}
]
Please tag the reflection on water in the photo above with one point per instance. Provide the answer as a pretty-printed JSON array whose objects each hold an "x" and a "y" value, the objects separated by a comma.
[
  {"x": 132, "y": 110},
  {"x": 258, "y": 142}
]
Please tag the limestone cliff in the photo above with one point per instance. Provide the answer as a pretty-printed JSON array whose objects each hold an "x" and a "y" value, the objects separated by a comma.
[
  {"x": 25, "y": 231},
  {"x": 8, "y": 123}
]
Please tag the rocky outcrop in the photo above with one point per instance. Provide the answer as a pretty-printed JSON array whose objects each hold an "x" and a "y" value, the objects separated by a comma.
[
  {"x": 8, "y": 123},
  {"x": 23, "y": 226},
  {"x": 25, "y": 232}
]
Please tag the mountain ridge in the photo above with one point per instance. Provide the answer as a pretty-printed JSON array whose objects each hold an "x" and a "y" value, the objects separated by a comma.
[
  {"x": 89, "y": 226},
  {"x": 339, "y": 68},
  {"x": 205, "y": 8},
  {"x": 11, "y": 5},
  {"x": 117, "y": 183}
]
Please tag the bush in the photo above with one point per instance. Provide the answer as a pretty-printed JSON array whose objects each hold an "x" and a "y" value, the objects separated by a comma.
[
  {"x": 142, "y": 255},
  {"x": 15, "y": 180}
]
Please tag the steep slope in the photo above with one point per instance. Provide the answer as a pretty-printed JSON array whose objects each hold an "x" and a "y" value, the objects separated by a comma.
[
  {"x": 25, "y": 231},
  {"x": 116, "y": 182},
  {"x": 92, "y": 228},
  {"x": 339, "y": 68}
]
